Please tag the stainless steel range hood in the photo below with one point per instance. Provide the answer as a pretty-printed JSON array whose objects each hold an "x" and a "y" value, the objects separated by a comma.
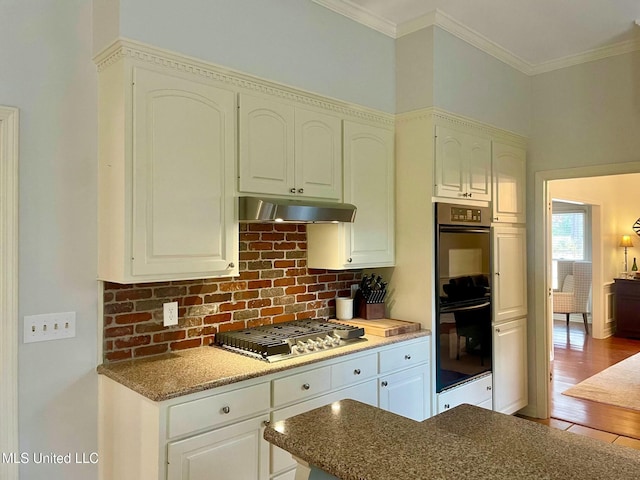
[{"x": 266, "y": 210}]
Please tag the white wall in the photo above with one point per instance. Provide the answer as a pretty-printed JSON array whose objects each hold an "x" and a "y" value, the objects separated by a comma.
[
  {"x": 470, "y": 82},
  {"x": 48, "y": 74},
  {"x": 414, "y": 70},
  {"x": 295, "y": 42}
]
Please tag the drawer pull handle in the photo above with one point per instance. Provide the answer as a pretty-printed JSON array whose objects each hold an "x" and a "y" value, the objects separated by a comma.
[
  {"x": 357, "y": 371},
  {"x": 384, "y": 383},
  {"x": 226, "y": 409},
  {"x": 407, "y": 357},
  {"x": 306, "y": 386}
]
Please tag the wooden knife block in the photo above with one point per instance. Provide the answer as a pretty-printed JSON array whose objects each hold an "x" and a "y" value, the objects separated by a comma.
[{"x": 370, "y": 311}]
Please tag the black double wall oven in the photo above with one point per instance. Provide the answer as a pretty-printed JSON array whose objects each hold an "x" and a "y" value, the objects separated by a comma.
[{"x": 463, "y": 293}]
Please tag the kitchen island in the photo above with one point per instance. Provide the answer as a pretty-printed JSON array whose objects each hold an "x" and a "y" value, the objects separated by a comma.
[{"x": 354, "y": 441}]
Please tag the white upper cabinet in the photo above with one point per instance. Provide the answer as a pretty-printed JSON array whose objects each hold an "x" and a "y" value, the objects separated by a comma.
[
  {"x": 509, "y": 180},
  {"x": 462, "y": 165},
  {"x": 286, "y": 150},
  {"x": 166, "y": 168},
  {"x": 509, "y": 272},
  {"x": 369, "y": 185}
]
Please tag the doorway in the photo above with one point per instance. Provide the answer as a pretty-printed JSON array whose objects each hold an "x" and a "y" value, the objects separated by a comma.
[
  {"x": 8, "y": 288},
  {"x": 607, "y": 256}
]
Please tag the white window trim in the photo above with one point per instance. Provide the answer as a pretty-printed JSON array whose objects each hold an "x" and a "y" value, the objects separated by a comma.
[{"x": 9, "y": 123}]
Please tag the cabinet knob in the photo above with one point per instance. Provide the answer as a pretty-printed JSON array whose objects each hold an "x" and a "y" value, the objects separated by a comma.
[
  {"x": 226, "y": 409},
  {"x": 489, "y": 387},
  {"x": 446, "y": 405},
  {"x": 301, "y": 190},
  {"x": 384, "y": 383},
  {"x": 498, "y": 273},
  {"x": 349, "y": 260},
  {"x": 231, "y": 265},
  {"x": 498, "y": 330},
  {"x": 356, "y": 371},
  {"x": 292, "y": 190},
  {"x": 306, "y": 386},
  {"x": 496, "y": 219},
  {"x": 407, "y": 357},
  {"x": 266, "y": 423},
  {"x": 469, "y": 195}
]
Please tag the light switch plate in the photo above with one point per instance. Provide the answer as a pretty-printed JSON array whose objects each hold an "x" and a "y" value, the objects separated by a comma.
[{"x": 49, "y": 326}]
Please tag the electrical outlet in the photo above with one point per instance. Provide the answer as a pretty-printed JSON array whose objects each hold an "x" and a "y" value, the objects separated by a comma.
[
  {"x": 170, "y": 313},
  {"x": 49, "y": 326}
]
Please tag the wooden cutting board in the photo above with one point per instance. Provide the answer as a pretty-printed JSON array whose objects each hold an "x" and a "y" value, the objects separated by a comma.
[{"x": 383, "y": 327}]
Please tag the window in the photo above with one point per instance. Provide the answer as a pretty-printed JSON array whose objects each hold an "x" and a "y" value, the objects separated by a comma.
[{"x": 570, "y": 234}]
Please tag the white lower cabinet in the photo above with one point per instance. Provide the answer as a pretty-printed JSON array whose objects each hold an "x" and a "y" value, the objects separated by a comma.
[
  {"x": 237, "y": 451},
  {"x": 475, "y": 392},
  {"x": 510, "y": 366},
  {"x": 407, "y": 393},
  {"x": 219, "y": 433}
]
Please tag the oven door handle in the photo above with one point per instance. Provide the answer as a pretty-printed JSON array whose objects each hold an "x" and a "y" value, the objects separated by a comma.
[{"x": 465, "y": 309}]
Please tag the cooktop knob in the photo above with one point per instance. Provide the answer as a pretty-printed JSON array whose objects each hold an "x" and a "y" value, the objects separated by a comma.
[
  {"x": 311, "y": 345},
  {"x": 319, "y": 343},
  {"x": 300, "y": 347}
]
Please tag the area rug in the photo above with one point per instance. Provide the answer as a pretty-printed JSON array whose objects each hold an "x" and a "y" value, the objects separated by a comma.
[{"x": 618, "y": 385}]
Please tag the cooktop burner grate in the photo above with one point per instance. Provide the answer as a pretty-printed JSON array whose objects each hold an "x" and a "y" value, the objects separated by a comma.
[{"x": 285, "y": 340}]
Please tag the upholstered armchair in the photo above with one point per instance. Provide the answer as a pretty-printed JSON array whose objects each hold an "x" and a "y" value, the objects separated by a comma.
[{"x": 574, "y": 279}]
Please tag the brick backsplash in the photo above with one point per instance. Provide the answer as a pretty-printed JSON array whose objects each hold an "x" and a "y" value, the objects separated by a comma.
[{"x": 274, "y": 286}]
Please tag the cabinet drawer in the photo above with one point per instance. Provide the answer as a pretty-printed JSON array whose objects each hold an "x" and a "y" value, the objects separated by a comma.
[
  {"x": 352, "y": 371},
  {"x": 218, "y": 409},
  {"x": 477, "y": 392},
  {"x": 404, "y": 356},
  {"x": 301, "y": 386}
]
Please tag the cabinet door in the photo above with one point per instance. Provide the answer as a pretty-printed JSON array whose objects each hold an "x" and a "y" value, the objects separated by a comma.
[
  {"x": 183, "y": 169},
  {"x": 450, "y": 164},
  {"x": 318, "y": 155},
  {"x": 237, "y": 452},
  {"x": 510, "y": 366},
  {"x": 407, "y": 393},
  {"x": 266, "y": 139},
  {"x": 478, "y": 151},
  {"x": 509, "y": 273},
  {"x": 508, "y": 183},
  {"x": 369, "y": 185}
]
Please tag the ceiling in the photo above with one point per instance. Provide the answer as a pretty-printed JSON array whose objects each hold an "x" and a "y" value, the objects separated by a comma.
[{"x": 531, "y": 35}]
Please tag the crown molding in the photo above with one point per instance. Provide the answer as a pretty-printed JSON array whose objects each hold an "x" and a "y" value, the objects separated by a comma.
[
  {"x": 144, "y": 53},
  {"x": 620, "y": 48},
  {"x": 440, "y": 19},
  {"x": 360, "y": 15}
]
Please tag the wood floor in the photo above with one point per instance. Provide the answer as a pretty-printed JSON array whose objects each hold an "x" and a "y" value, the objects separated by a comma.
[{"x": 578, "y": 357}]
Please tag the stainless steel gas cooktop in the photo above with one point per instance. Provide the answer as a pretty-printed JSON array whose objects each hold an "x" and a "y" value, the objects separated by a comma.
[{"x": 289, "y": 339}]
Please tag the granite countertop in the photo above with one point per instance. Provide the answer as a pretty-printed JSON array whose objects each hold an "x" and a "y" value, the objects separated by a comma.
[
  {"x": 188, "y": 371},
  {"x": 355, "y": 441}
]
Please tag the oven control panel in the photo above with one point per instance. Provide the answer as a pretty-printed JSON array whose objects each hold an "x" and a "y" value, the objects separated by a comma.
[{"x": 464, "y": 214}]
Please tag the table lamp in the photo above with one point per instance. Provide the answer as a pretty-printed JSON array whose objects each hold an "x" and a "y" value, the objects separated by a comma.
[{"x": 625, "y": 242}]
